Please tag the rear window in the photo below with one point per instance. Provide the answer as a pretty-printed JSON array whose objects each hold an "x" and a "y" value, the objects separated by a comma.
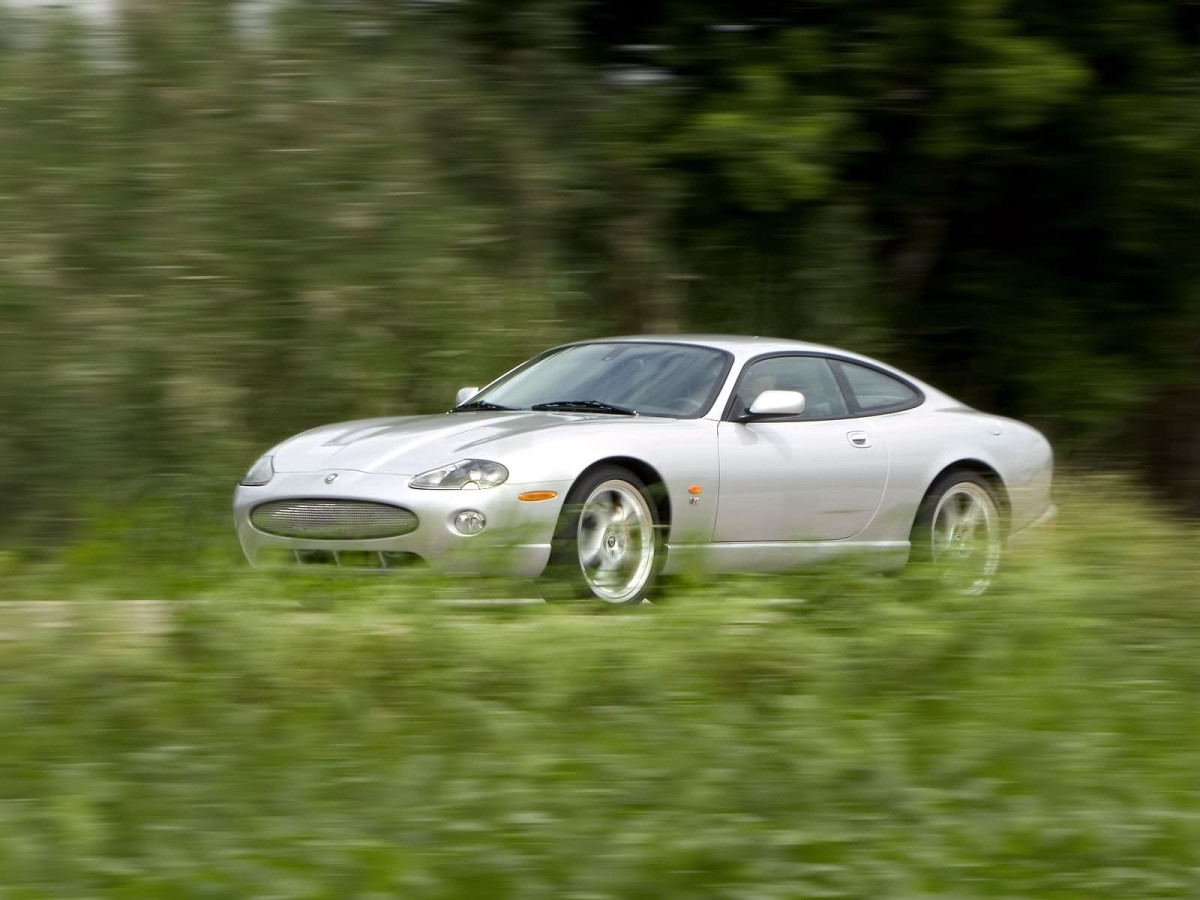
[{"x": 875, "y": 391}]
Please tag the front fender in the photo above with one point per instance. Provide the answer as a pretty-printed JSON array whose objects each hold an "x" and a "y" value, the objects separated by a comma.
[{"x": 682, "y": 451}]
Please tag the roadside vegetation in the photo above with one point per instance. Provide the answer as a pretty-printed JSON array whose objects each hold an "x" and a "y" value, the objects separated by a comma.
[
  {"x": 226, "y": 222},
  {"x": 831, "y": 735},
  {"x": 222, "y": 223}
]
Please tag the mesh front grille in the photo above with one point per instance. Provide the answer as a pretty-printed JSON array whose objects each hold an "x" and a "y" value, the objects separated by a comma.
[{"x": 333, "y": 520}]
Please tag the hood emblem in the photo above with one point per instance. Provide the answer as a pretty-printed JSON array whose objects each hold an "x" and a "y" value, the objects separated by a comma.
[{"x": 330, "y": 479}]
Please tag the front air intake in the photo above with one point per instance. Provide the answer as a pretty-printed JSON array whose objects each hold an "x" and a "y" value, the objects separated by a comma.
[{"x": 333, "y": 520}]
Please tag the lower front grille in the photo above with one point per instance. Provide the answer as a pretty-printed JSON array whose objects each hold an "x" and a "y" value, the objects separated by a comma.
[
  {"x": 333, "y": 520},
  {"x": 355, "y": 559}
]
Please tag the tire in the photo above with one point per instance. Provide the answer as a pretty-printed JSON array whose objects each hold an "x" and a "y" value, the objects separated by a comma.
[
  {"x": 608, "y": 545},
  {"x": 959, "y": 532}
]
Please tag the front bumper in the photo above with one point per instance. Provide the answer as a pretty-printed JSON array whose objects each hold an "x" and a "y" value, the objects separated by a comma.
[{"x": 515, "y": 542}]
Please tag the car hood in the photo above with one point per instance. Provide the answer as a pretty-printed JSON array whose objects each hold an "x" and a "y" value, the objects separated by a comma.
[{"x": 413, "y": 444}]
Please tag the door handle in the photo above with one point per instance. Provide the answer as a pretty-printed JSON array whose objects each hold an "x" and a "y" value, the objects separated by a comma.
[{"x": 859, "y": 438}]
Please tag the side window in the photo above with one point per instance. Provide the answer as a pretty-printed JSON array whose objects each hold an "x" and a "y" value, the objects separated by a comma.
[
  {"x": 810, "y": 375},
  {"x": 876, "y": 392}
]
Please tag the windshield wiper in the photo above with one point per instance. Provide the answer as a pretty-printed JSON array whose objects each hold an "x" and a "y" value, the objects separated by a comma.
[
  {"x": 471, "y": 405},
  {"x": 584, "y": 406}
]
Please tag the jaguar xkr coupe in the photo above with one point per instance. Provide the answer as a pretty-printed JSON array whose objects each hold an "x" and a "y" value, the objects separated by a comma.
[{"x": 599, "y": 465}]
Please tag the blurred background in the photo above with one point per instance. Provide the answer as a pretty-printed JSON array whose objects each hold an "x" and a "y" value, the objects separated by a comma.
[{"x": 224, "y": 222}]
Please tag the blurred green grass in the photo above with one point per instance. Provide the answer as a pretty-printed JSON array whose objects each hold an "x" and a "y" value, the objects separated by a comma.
[{"x": 875, "y": 737}]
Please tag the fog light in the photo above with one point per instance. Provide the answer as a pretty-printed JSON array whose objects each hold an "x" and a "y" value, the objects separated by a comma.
[{"x": 469, "y": 521}]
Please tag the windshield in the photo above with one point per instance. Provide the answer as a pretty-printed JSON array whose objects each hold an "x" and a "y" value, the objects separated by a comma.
[{"x": 675, "y": 380}]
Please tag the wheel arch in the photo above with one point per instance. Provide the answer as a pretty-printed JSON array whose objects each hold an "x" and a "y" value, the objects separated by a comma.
[
  {"x": 988, "y": 473},
  {"x": 651, "y": 478}
]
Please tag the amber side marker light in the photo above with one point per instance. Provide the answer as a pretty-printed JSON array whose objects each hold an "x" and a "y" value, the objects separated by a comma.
[
  {"x": 538, "y": 495},
  {"x": 695, "y": 489}
]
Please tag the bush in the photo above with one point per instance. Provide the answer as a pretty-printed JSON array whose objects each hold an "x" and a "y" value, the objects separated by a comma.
[{"x": 872, "y": 737}]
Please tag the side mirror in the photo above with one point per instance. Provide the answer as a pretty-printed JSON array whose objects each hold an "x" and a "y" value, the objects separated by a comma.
[
  {"x": 777, "y": 403},
  {"x": 465, "y": 394}
]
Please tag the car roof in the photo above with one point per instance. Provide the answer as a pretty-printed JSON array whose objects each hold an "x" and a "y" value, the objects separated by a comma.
[
  {"x": 741, "y": 346},
  {"x": 745, "y": 347}
]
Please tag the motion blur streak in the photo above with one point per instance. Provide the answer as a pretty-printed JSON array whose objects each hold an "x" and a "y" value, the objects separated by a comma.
[
  {"x": 217, "y": 234},
  {"x": 222, "y": 223}
]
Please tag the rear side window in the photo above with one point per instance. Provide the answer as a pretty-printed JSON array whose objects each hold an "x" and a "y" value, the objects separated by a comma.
[{"x": 876, "y": 392}]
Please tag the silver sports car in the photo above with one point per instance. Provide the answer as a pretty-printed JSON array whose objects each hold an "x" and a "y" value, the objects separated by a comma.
[{"x": 599, "y": 465}]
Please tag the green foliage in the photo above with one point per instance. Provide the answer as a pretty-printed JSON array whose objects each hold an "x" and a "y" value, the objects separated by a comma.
[
  {"x": 211, "y": 242},
  {"x": 221, "y": 228},
  {"x": 773, "y": 147},
  {"x": 869, "y": 737},
  {"x": 1025, "y": 175}
]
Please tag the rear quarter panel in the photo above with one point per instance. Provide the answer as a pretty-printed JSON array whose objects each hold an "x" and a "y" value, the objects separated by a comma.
[{"x": 925, "y": 442}]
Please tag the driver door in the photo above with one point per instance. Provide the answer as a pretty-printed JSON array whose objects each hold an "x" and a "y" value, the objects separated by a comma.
[{"x": 819, "y": 476}]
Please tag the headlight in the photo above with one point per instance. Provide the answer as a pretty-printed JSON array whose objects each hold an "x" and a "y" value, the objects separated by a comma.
[
  {"x": 466, "y": 474},
  {"x": 260, "y": 473}
]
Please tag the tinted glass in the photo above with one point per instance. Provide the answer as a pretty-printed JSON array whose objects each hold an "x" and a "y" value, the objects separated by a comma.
[
  {"x": 674, "y": 380},
  {"x": 810, "y": 375},
  {"x": 874, "y": 391}
]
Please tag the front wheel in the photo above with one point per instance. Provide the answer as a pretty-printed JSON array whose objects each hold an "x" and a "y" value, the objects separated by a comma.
[
  {"x": 960, "y": 532},
  {"x": 607, "y": 544}
]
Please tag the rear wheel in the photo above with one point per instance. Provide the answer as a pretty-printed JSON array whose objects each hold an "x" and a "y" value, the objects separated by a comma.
[
  {"x": 607, "y": 545},
  {"x": 959, "y": 531}
]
